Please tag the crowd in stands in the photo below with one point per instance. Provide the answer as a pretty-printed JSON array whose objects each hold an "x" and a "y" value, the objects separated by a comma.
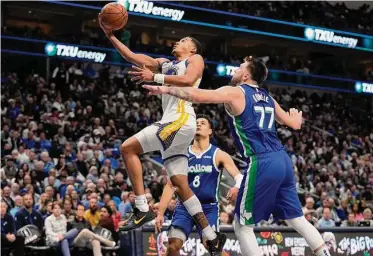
[
  {"x": 319, "y": 13},
  {"x": 61, "y": 161}
]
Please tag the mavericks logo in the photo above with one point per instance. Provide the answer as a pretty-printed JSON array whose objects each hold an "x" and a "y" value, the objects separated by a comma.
[
  {"x": 146, "y": 7},
  {"x": 330, "y": 37},
  {"x": 52, "y": 49},
  {"x": 199, "y": 168}
]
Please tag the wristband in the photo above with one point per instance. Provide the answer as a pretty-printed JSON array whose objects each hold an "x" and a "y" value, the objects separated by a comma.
[
  {"x": 238, "y": 178},
  {"x": 159, "y": 78}
]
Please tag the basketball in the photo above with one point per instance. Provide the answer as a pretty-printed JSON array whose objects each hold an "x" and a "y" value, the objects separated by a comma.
[{"x": 114, "y": 16}]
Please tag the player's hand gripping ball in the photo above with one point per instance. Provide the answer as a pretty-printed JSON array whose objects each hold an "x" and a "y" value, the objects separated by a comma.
[{"x": 113, "y": 16}]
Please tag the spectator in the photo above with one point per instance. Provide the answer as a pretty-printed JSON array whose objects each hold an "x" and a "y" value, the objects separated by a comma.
[
  {"x": 106, "y": 221},
  {"x": 92, "y": 215},
  {"x": 326, "y": 221},
  {"x": 368, "y": 216},
  {"x": 28, "y": 215},
  {"x": 355, "y": 210},
  {"x": 15, "y": 191},
  {"x": 8, "y": 233},
  {"x": 18, "y": 206},
  {"x": 47, "y": 210},
  {"x": 310, "y": 202},
  {"x": 350, "y": 222},
  {"x": 116, "y": 214},
  {"x": 7, "y": 199},
  {"x": 127, "y": 206},
  {"x": 68, "y": 209},
  {"x": 56, "y": 230},
  {"x": 86, "y": 238},
  {"x": 224, "y": 218}
]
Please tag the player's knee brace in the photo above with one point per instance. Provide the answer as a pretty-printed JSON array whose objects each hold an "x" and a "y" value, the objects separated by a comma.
[
  {"x": 177, "y": 165},
  {"x": 193, "y": 205},
  {"x": 175, "y": 233}
]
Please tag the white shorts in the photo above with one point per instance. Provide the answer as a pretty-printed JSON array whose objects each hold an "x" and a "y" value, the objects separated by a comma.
[{"x": 171, "y": 138}]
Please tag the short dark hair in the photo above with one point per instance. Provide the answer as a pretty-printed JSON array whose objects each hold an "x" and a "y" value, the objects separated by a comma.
[
  {"x": 108, "y": 209},
  {"x": 257, "y": 69},
  {"x": 198, "y": 45},
  {"x": 56, "y": 203},
  {"x": 208, "y": 120}
]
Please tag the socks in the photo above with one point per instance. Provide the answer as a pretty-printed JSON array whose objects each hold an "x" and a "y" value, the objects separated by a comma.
[
  {"x": 310, "y": 234},
  {"x": 323, "y": 251},
  {"x": 141, "y": 203},
  {"x": 194, "y": 207},
  {"x": 209, "y": 233}
]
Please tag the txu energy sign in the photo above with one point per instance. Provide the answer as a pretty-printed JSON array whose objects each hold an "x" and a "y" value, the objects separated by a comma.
[{"x": 71, "y": 51}]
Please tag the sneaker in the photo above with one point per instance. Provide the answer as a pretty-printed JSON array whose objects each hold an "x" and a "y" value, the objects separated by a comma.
[
  {"x": 215, "y": 247},
  {"x": 137, "y": 219}
]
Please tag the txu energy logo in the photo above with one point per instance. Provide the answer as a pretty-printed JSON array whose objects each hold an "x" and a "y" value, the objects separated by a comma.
[
  {"x": 52, "y": 49},
  {"x": 330, "y": 37},
  {"x": 146, "y": 7},
  {"x": 363, "y": 87},
  {"x": 225, "y": 70}
]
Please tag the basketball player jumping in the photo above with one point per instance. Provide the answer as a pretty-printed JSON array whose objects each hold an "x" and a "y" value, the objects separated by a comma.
[
  {"x": 171, "y": 135},
  {"x": 204, "y": 179},
  {"x": 268, "y": 186}
]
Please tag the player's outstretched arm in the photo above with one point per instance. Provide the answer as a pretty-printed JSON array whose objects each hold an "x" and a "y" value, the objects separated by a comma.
[
  {"x": 225, "y": 160},
  {"x": 166, "y": 197},
  {"x": 192, "y": 74},
  {"x": 135, "y": 58},
  {"x": 226, "y": 94},
  {"x": 293, "y": 118}
]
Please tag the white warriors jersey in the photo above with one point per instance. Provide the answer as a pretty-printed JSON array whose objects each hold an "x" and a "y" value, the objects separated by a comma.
[{"x": 174, "y": 107}]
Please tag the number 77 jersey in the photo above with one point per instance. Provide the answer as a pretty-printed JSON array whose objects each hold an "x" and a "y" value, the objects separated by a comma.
[{"x": 254, "y": 130}]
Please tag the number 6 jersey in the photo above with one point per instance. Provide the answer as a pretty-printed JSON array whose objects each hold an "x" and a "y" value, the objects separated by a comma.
[{"x": 204, "y": 175}]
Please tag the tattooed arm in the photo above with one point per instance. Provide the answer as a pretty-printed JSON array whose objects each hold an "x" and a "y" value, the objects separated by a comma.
[{"x": 225, "y": 94}]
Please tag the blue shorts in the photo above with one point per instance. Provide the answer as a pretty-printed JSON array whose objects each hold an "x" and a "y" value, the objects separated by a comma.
[
  {"x": 183, "y": 221},
  {"x": 268, "y": 187}
]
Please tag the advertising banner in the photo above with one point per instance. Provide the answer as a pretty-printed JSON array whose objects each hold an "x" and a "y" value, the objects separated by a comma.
[{"x": 271, "y": 244}]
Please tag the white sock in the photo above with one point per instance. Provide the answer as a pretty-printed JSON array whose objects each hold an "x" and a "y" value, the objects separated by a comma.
[
  {"x": 323, "y": 251},
  {"x": 246, "y": 237},
  {"x": 208, "y": 233},
  {"x": 310, "y": 234},
  {"x": 141, "y": 203}
]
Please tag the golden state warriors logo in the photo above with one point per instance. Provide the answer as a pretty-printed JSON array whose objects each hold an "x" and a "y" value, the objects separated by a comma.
[{"x": 172, "y": 71}]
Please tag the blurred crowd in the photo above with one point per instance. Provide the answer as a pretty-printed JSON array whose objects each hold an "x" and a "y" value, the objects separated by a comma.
[
  {"x": 60, "y": 142},
  {"x": 319, "y": 13}
]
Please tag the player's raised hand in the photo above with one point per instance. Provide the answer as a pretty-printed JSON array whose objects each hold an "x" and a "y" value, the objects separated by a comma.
[
  {"x": 232, "y": 194},
  {"x": 296, "y": 115},
  {"x": 107, "y": 32},
  {"x": 142, "y": 74},
  {"x": 156, "y": 90},
  {"x": 159, "y": 223}
]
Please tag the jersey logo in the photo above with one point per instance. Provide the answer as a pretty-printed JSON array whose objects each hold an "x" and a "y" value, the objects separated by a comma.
[
  {"x": 209, "y": 157},
  {"x": 199, "y": 168},
  {"x": 171, "y": 71}
]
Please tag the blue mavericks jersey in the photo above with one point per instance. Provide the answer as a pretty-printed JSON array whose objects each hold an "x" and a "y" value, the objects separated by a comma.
[
  {"x": 203, "y": 175},
  {"x": 254, "y": 130}
]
